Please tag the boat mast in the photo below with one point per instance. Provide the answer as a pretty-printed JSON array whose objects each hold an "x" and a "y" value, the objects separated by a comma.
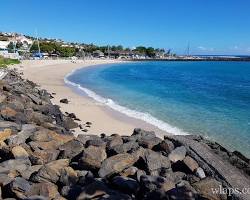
[
  {"x": 188, "y": 49},
  {"x": 108, "y": 52},
  {"x": 38, "y": 42}
]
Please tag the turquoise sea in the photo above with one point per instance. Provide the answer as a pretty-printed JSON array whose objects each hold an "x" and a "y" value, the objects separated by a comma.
[{"x": 207, "y": 98}]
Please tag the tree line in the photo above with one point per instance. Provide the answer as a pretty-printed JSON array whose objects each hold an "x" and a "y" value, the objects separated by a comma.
[{"x": 75, "y": 49}]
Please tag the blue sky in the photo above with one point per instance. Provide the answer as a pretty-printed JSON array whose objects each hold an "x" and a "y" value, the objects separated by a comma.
[{"x": 211, "y": 26}]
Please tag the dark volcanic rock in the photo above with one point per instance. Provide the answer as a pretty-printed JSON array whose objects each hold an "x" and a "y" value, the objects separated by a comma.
[
  {"x": 84, "y": 138},
  {"x": 95, "y": 142},
  {"x": 126, "y": 147},
  {"x": 114, "y": 141},
  {"x": 205, "y": 186},
  {"x": 71, "y": 192},
  {"x": 68, "y": 176},
  {"x": 19, "y": 152},
  {"x": 40, "y": 157},
  {"x": 131, "y": 171},
  {"x": 178, "y": 154},
  {"x": 166, "y": 146},
  {"x": 154, "y": 161},
  {"x": 66, "y": 101},
  {"x": 10, "y": 125},
  {"x": 155, "y": 187},
  {"x": 191, "y": 163},
  {"x": 27, "y": 131},
  {"x": 42, "y": 135},
  {"x": 92, "y": 158},
  {"x": 10, "y": 114},
  {"x": 20, "y": 187},
  {"x": 149, "y": 141},
  {"x": 138, "y": 134},
  {"x": 69, "y": 123},
  {"x": 44, "y": 189},
  {"x": 71, "y": 149},
  {"x": 16, "y": 164},
  {"x": 37, "y": 118},
  {"x": 125, "y": 184},
  {"x": 99, "y": 190},
  {"x": 115, "y": 164},
  {"x": 50, "y": 172}
]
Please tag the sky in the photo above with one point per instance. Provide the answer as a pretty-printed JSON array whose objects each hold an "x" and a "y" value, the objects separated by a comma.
[{"x": 209, "y": 26}]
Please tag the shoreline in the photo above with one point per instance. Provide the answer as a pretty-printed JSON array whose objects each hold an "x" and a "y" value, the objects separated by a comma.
[
  {"x": 40, "y": 145},
  {"x": 103, "y": 118}
]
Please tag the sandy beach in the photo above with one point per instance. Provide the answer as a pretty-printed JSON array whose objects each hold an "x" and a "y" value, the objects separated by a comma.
[{"x": 49, "y": 74}]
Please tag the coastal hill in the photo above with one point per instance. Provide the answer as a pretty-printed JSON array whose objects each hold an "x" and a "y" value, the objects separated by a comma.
[{"x": 41, "y": 158}]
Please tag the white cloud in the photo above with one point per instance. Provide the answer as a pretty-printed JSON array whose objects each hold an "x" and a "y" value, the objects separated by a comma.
[
  {"x": 205, "y": 48},
  {"x": 202, "y": 48}
]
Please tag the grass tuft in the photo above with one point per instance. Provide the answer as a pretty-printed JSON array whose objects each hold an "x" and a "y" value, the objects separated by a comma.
[{"x": 4, "y": 62}]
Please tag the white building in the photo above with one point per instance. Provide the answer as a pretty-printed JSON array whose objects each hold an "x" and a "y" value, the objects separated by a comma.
[{"x": 4, "y": 45}]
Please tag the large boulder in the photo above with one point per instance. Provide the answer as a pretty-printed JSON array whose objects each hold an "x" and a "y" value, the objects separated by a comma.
[
  {"x": 139, "y": 133},
  {"x": 92, "y": 158},
  {"x": 5, "y": 178},
  {"x": 126, "y": 147},
  {"x": 10, "y": 125},
  {"x": 94, "y": 190},
  {"x": 84, "y": 138},
  {"x": 183, "y": 190},
  {"x": 131, "y": 171},
  {"x": 40, "y": 157},
  {"x": 10, "y": 114},
  {"x": 37, "y": 118},
  {"x": 19, "y": 152},
  {"x": 23, "y": 135},
  {"x": 71, "y": 192},
  {"x": 206, "y": 187},
  {"x": 27, "y": 173},
  {"x": 149, "y": 141},
  {"x": 68, "y": 176},
  {"x": 71, "y": 149},
  {"x": 96, "y": 142},
  {"x": 191, "y": 163},
  {"x": 69, "y": 123},
  {"x": 42, "y": 135},
  {"x": 5, "y": 133},
  {"x": 99, "y": 190},
  {"x": 166, "y": 146},
  {"x": 178, "y": 154},
  {"x": 19, "y": 186},
  {"x": 113, "y": 141},
  {"x": 116, "y": 164},
  {"x": 154, "y": 162},
  {"x": 154, "y": 187},
  {"x": 50, "y": 172},
  {"x": 125, "y": 184},
  {"x": 45, "y": 189},
  {"x": 16, "y": 164},
  {"x": 51, "y": 145}
]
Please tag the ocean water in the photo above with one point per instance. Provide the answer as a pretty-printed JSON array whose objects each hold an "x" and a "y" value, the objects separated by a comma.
[{"x": 207, "y": 98}]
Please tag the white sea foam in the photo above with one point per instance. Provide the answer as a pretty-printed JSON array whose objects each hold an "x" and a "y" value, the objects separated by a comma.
[{"x": 129, "y": 112}]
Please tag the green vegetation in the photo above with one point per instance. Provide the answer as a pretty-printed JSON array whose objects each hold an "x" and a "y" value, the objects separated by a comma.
[
  {"x": 75, "y": 49},
  {"x": 7, "y": 61},
  {"x": 54, "y": 47}
]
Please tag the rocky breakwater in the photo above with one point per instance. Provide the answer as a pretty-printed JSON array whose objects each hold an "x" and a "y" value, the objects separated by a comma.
[{"x": 40, "y": 158}]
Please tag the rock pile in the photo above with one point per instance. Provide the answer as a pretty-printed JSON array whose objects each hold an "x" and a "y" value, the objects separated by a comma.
[{"x": 41, "y": 159}]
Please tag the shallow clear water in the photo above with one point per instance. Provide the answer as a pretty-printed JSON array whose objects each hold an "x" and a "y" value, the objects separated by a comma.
[{"x": 207, "y": 98}]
